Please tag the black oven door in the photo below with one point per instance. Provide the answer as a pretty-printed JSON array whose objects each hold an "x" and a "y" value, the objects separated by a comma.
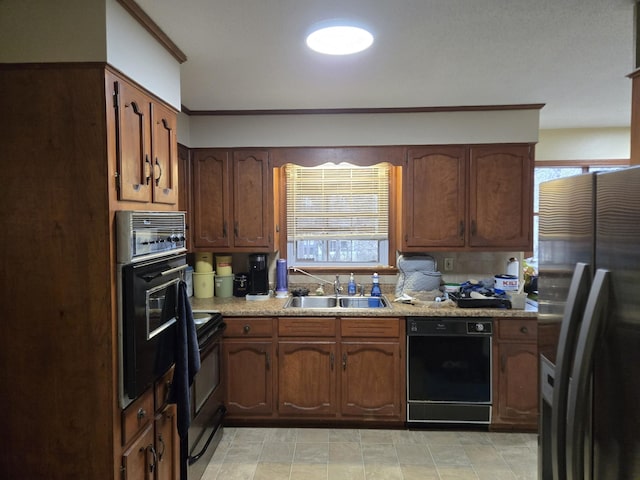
[{"x": 149, "y": 302}]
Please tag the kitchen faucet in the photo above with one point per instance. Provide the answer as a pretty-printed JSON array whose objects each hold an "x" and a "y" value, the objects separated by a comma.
[{"x": 337, "y": 288}]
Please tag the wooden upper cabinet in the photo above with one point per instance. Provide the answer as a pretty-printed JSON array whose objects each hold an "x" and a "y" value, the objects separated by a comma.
[
  {"x": 146, "y": 145},
  {"x": 165, "y": 154},
  {"x": 468, "y": 197},
  {"x": 434, "y": 197},
  {"x": 501, "y": 196},
  {"x": 233, "y": 200},
  {"x": 211, "y": 198}
]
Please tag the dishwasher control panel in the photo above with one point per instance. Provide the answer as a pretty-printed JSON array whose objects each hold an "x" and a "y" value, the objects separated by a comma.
[{"x": 459, "y": 326}]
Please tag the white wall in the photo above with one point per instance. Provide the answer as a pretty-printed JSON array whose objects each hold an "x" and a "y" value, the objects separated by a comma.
[
  {"x": 362, "y": 129},
  {"x": 584, "y": 144},
  {"x": 47, "y": 31}
]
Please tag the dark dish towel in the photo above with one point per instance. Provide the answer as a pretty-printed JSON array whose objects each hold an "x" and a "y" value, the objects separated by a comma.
[{"x": 187, "y": 359}]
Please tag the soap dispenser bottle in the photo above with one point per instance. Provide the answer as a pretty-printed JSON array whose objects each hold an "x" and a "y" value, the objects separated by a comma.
[
  {"x": 351, "y": 286},
  {"x": 375, "y": 287}
]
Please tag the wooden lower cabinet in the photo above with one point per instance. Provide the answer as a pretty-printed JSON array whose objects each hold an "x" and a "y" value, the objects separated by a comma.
[
  {"x": 307, "y": 378},
  {"x": 515, "y": 359},
  {"x": 371, "y": 379},
  {"x": 150, "y": 436},
  {"x": 324, "y": 368}
]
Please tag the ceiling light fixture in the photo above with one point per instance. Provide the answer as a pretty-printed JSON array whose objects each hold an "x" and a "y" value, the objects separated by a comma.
[{"x": 339, "y": 39}]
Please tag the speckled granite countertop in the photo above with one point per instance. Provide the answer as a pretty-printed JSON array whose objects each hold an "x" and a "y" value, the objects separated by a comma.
[{"x": 273, "y": 307}]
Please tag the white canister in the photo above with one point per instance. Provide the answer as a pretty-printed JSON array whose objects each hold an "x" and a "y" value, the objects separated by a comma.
[
  {"x": 513, "y": 267},
  {"x": 506, "y": 282}
]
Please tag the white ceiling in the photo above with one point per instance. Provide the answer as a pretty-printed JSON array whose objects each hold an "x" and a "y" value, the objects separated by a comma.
[{"x": 571, "y": 55}]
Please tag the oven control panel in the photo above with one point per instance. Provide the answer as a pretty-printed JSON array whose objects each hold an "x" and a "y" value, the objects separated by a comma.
[{"x": 145, "y": 235}]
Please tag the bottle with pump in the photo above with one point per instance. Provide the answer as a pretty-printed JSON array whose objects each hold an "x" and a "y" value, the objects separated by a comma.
[
  {"x": 375, "y": 288},
  {"x": 351, "y": 286}
]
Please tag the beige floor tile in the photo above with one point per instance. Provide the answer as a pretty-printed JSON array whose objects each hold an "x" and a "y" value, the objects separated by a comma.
[
  {"x": 305, "y": 471},
  {"x": 457, "y": 473},
  {"x": 382, "y": 472},
  {"x": 211, "y": 471},
  {"x": 272, "y": 471},
  {"x": 245, "y": 452},
  {"x": 407, "y": 436},
  {"x": 250, "y": 435},
  {"x": 287, "y": 435},
  {"x": 376, "y": 436},
  {"x": 236, "y": 471},
  {"x": 345, "y": 452},
  {"x": 419, "y": 472},
  {"x": 413, "y": 454},
  {"x": 441, "y": 438},
  {"x": 508, "y": 439},
  {"x": 525, "y": 473},
  {"x": 474, "y": 438},
  {"x": 344, "y": 435},
  {"x": 484, "y": 455},
  {"x": 345, "y": 472},
  {"x": 277, "y": 452},
  {"x": 310, "y": 453},
  {"x": 379, "y": 453},
  {"x": 489, "y": 472},
  {"x": 313, "y": 435},
  {"x": 445, "y": 455}
]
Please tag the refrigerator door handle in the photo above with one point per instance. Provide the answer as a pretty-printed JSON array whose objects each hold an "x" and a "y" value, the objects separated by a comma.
[
  {"x": 574, "y": 310},
  {"x": 593, "y": 325}
]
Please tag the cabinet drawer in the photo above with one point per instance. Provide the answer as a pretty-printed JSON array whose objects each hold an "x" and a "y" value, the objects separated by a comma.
[
  {"x": 514, "y": 329},
  {"x": 136, "y": 416},
  {"x": 307, "y": 327},
  {"x": 249, "y": 327},
  {"x": 370, "y": 327}
]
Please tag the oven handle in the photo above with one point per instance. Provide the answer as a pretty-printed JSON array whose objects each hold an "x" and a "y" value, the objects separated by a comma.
[
  {"x": 221, "y": 411},
  {"x": 149, "y": 278}
]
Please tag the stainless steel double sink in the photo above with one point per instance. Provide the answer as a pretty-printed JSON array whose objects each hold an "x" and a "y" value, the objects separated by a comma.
[{"x": 312, "y": 302}]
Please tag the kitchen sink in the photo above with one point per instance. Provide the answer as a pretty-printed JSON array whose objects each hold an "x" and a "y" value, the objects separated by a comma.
[
  {"x": 333, "y": 302},
  {"x": 311, "y": 302},
  {"x": 363, "y": 302}
]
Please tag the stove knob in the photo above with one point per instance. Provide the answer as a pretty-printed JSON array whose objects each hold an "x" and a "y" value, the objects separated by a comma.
[{"x": 479, "y": 327}]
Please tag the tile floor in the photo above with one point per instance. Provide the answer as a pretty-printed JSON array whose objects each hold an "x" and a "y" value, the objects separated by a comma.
[{"x": 350, "y": 454}]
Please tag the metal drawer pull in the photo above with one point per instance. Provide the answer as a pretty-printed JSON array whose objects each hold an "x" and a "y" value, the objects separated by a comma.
[
  {"x": 524, "y": 330},
  {"x": 141, "y": 413}
]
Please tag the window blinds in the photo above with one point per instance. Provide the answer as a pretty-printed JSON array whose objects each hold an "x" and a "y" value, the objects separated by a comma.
[{"x": 337, "y": 202}]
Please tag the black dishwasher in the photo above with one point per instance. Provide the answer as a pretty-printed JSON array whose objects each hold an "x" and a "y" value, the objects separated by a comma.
[{"x": 449, "y": 370}]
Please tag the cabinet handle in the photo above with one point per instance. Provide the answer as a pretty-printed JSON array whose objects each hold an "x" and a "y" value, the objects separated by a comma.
[
  {"x": 524, "y": 330},
  {"x": 160, "y": 172},
  {"x": 235, "y": 229},
  {"x": 154, "y": 458},
  {"x": 331, "y": 360},
  {"x": 141, "y": 413},
  {"x": 247, "y": 328},
  {"x": 344, "y": 361},
  {"x": 147, "y": 169},
  {"x": 268, "y": 359},
  {"x": 164, "y": 447}
]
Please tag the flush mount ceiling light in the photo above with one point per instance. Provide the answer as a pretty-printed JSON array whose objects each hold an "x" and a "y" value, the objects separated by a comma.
[{"x": 339, "y": 39}]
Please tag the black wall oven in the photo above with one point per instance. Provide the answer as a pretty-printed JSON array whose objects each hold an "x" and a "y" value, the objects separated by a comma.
[
  {"x": 151, "y": 262},
  {"x": 449, "y": 370}
]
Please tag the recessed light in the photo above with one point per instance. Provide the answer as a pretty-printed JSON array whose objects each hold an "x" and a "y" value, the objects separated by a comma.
[{"x": 339, "y": 39}]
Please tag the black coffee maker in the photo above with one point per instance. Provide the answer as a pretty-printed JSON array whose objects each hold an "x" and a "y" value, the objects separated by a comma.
[{"x": 258, "y": 274}]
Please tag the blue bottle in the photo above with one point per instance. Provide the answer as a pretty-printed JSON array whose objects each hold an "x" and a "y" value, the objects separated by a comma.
[
  {"x": 375, "y": 288},
  {"x": 351, "y": 287}
]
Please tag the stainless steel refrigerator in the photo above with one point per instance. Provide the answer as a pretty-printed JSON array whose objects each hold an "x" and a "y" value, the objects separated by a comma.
[{"x": 589, "y": 327}]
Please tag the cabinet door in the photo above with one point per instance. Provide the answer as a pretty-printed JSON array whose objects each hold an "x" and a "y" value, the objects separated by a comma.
[
  {"x": 252, "y": 199},
  {"x": 307, "y": 378},
  {"x": 165, "y": 154},
  {"x": 500, "y": 203},
  {"x": 371, "y": 379},
  {"x": 434, "y": 197},
  {"x": 248, "y": 372},
  {"x": 139, "y": 460},
  {"x": 211, "y": 199},
  {"x": 517, "y": 400},
  {"x": 133, "y": 143},
  {"x": 167, "y": 444}
]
